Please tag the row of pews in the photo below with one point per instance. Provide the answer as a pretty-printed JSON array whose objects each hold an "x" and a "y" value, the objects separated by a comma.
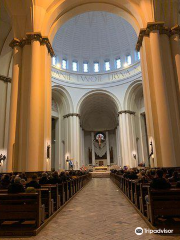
[
  {"x": 163, "y": 208},
  {"x": 25, "y": 214}
]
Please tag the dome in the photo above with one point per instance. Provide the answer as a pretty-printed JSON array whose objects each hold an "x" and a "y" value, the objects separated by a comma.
[{"x": 95, "y": 37}]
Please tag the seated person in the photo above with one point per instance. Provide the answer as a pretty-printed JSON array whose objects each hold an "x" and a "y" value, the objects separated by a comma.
[
  {"x": 33, "y": 182},
  {"x": 55, "y": 178},
  {"x": 175, "y": 177},
  {"x": 131, "y": 175},
  {"x": 44, "y": 179},
  {"x": 16, "y": 187},
  {"x": 159, "y": 182},
  {"x": 5, "y": 181},
  {"x": 63, "y": 177}
]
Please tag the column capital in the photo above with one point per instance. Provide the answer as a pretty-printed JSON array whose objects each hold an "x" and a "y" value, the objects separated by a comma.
[
  {"x": 33, "y": 36},
  {"x": 175, "y": 30},
  {"x": 5, "y": 79},
  {"x": 151, "y": 26},
  {"x": 126, "y": 112},
  {"x": 71, "y": 115}
]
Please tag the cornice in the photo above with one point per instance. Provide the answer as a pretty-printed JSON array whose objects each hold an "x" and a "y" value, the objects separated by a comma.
[
  {"x": 71, "y": 115},
  {"x": 126, "y": 112},
  {"x": 5, "y": 79},
  {"x": 34, "y": 36}
]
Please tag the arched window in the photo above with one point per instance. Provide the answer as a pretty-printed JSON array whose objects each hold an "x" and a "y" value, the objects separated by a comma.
[
  {"x": 75, "y": 66},
  {"x": 96, "y": 66},
  {"x": 118, "y": 63},
  {"x": 85, "y": 67},
  {"x": 64, "y": 64},
  {"x": 128, "y": 59},
  {"x": 107, "y": 65}
]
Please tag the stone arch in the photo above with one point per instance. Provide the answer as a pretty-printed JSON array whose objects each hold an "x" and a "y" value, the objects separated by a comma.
[{"x": 136, "y": 14}]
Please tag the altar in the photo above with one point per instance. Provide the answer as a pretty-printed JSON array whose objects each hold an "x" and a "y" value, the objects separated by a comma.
[{"x": 101, "y": 168}]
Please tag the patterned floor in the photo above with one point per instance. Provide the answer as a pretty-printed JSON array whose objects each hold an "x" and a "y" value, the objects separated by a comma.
[{"x": 98, "y": 212}]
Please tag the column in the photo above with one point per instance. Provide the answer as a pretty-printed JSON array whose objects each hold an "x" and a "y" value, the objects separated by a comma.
[
  {"x": 82, "y": 147},
  {"x": 17, "y": 60},
  {"x": 161, "y": 98},
  {"x": 164, "y": 123},
  {"x": 128, "y": 138},
  {"x": 118, "y": 144},
  {"x": 175, "y": 46},
  {"x": 108, "y": 153},
  {"x": 33, "y": 118},
  {"x": 93, "y": 152}
]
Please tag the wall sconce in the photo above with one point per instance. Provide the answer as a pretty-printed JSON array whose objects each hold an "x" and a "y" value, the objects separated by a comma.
[
  {"x": 2, "y": 158},
  {"x": 134, "y": 156},
  {"x": 67, "y": 159},
  {"x": 151, "y": 150},
  {"x": 48, "y": 151}
]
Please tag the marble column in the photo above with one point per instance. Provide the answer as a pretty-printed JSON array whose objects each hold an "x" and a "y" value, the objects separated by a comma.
[
  {"x": 93, "y": 152},
  {"x": 108, "y": 152}
]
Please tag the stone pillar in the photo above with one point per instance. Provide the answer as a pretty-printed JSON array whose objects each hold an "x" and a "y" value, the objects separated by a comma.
[
  {"x": 17, "y": 61},
  {"x": 33, "y": 118},
  {"x": 108, "y": 153},
  {"x": 93, "y": 152},
  {"x": 128, "y": 138},
  {"x": 175, "y": 46},
  {"x": 119, "y": 147},
  {"x": 161, "y": 98},
  {"x": 82, "y": 147}
]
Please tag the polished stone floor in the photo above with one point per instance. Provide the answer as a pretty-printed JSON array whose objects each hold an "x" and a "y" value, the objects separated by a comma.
[{"x": 98, "y": 212}]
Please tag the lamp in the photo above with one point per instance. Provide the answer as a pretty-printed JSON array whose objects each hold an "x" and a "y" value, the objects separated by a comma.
[
  {"x": 134, "y": 155},
  {"x": 48, "y": 151},
  {"x": 67, "y": 159},
  {"x": 151, "y": 150},
  {"x": 2, "y": 158}
]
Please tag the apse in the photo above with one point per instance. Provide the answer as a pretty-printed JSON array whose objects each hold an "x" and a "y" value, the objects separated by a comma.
[{"x": 98, "y": 113}]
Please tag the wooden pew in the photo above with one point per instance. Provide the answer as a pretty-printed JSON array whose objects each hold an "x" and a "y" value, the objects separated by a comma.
[
  {"x": 142, "y": 202},
  {"x": 20, "y": 207},
  {"x": 163, "y": 203},
  {"x": 47, "y": 200},
  {"x": 66, "y": 191},
  {"x": 54, "y": 195},
  {"x": 61, "y": 193}
]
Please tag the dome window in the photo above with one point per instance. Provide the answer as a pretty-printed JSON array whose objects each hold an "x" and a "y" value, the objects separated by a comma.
[
  {"x": 75, "y": 66},
  {"x": 54, "y": 60},
  {"x": 138, "y": 56},
  {"x": 85, "y": 67},
  {"x": 107, "y": 65},
  {"x": 96, "y": 67},
  {"x": 118, "y": 63},
  {"x": 128, "y": 59},
  {"x": 64, "y": 64}
]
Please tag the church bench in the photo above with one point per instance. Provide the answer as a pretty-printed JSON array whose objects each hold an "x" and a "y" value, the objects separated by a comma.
[
  {"x": 20, "y": 207},
  {"x": 47, "y": 200},
  {"x": 54, "y": 195},
  {"x": 132, "y": 192},
  {"x": 61, "y": 193},
  {"x": 142, "y": 202},
  {"x": 70, "y": 187},
  {"x": 136, "y": 194},
  {"x": 163, "y": 203},
  {"x": 66, "y": 191}
]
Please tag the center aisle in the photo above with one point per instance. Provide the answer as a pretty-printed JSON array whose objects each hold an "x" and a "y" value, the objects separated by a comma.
[{"x": 98, "y": 212}]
